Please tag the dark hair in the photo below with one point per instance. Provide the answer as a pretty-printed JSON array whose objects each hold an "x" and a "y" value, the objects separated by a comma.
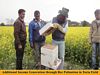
[
  {"x": 36, "y": 12},
  {"x": 97, "y": 11},
  {"x": 20, "y": 11}
]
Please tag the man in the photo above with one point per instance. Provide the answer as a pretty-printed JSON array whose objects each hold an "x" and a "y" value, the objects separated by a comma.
[
  {"x": 60, "y": 25},
  {"x": 58, "y": 36},
  {"x": 36, "y": 40},
  {"x": 20, "y": 38},
  {"x": 95, "y": 40}
]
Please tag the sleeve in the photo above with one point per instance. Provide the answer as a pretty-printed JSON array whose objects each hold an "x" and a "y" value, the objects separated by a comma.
[
  {"x": 17, "y": 32},
  {"x": 43, "y": 23},
  {"x": 31, "y": 32},
  {"x": 60, "y": 28},
  {"x": 91, "y": 32},
  {"x": 65, "y": 29},
  {"x": 54, "y": 20}
]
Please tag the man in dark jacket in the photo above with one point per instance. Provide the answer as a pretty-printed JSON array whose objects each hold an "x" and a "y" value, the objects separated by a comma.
[
  {"x": 36, "y": 40},
  {"x": 20, "y": 38}
]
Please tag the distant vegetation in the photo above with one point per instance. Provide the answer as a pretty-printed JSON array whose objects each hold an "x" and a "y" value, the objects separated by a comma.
[
  {"x": 2, "y": 24},
  {"x": 71, "y": 23},
  {"x": 78, "y": 24}
]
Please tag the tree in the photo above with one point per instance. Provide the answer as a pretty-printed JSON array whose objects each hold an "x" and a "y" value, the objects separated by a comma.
[
  {"x": 2, "y": 24},
  {"x": 85, "y": 23}
]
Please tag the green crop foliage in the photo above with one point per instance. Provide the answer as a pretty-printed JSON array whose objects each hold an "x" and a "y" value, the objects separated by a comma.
[{"x": 77, "y": 50}]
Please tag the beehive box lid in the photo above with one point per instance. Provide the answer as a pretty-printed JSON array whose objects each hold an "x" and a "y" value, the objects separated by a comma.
[
  {"x": 47, "y": 28},
  {"x": 49, "y": 46}
]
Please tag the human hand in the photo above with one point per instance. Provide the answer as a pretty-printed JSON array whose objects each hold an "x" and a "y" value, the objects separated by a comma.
[
  {"x": 19, "y": 46},
  {"x": 55, "y": 25},
  {"x": 31, "y": 45}
]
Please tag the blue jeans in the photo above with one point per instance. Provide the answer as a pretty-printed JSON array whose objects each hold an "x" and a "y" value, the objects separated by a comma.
[
  {"x": 96, "y": 55},
  {"x": 61, "y": 52}
]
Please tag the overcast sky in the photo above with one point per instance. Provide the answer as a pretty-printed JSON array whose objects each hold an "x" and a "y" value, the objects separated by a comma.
[{"x": 79, "y": 9}]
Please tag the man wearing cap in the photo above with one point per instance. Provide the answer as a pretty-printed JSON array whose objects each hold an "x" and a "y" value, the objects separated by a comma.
[
  {"x": 95, "y": 40},
  {"x": 36, "y": 40},
  {"x": 58, "y": 36}
]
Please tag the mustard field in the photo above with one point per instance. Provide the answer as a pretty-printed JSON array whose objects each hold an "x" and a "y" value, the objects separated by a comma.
[{"x": 77, "y": 55}]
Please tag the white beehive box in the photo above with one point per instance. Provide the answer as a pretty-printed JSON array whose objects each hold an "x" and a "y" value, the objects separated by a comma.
[
  {"x": 49, "y": 56},
  {"x": 47, "y": 28}
]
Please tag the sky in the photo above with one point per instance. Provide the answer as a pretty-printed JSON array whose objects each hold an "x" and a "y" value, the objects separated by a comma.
[{"x": 79, "y": 10}]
